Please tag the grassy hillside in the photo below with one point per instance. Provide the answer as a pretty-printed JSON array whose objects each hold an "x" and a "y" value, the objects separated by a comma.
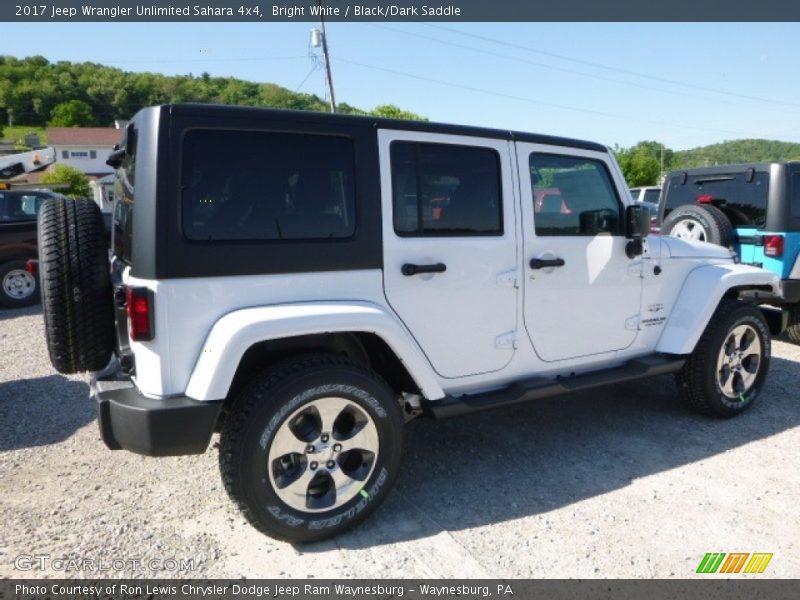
[{"x": 737, "y": 151}]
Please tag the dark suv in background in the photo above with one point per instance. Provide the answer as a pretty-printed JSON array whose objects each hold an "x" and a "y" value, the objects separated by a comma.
[
  {"x": 753, "y": 208},
  {"x": 18, "y": 212}
]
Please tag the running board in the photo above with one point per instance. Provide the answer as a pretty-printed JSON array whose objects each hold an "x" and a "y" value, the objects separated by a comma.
[{"x": 534, "y": 389}]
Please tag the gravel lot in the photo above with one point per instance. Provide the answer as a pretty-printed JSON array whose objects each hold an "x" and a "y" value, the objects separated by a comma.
[{"x": 621, "y": 482}]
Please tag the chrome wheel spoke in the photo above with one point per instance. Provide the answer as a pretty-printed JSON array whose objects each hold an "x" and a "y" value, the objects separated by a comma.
[
  {"x": 329, "y": 410},
  {"x": 286, "y": 442},
  {"x": 726, "y": 382}
]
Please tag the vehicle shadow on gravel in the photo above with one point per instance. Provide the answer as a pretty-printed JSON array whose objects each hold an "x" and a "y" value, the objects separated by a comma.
[
  {"x": 521, "y": 461},
  {"x": 14, "y": 313},
  {"x": 42, "y": 411}
]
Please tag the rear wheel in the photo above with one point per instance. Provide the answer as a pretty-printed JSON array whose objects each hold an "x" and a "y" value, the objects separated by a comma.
[
  {"x": 76, "y": 285},
  {"x": 699, "y": 223},
  {"x": 18, "y": 288},
  {"x": 311, "y": 447},
  {"x": 729, "y": 365}
]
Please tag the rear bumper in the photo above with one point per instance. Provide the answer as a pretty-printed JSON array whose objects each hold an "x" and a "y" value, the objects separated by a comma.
[{"x": 154, "y": 427}]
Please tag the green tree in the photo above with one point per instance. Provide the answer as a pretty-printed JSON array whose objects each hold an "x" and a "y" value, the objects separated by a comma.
[
  {"x": 639, "y": 166},
  {"x": 73, "y": 113},
  {"x": 77, "y": 180},
  {"x": 391, "y": 111}
]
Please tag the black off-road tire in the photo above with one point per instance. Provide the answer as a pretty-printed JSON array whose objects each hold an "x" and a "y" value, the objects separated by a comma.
[
  {"x": 255, "y": 418},
  {"x": 719, "y": 230},
  {"x": 697, "y": 381},
  {"x": 793, "y": 323},
  {"x": 26, "y": 293},
  {"x": 76, "y": 285}
]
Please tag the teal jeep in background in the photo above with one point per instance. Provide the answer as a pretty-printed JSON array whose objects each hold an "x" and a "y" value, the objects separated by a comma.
[{"x": 754, "y": 209}]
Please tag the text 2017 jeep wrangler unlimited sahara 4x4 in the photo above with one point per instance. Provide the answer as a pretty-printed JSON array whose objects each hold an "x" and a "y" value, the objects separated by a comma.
[{"x": 304, "y": 283}]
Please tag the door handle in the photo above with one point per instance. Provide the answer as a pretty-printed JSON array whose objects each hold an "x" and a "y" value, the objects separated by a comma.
[
  {"x": 408, "y": 269},
  {"x": 543, "y": 263}
]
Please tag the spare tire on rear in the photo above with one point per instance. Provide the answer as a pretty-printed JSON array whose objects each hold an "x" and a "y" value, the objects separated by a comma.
[
  {"x": 75, "y": 285},
  {"x": 700, "y": 223}
]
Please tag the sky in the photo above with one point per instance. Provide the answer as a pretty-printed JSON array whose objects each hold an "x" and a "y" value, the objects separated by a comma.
[{"x": 683, "y": 84}]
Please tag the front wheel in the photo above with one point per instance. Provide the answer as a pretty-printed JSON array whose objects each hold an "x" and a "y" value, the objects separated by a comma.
[
  {"x": 729, "y": 365},
  {"x": 311, "y": 447}
]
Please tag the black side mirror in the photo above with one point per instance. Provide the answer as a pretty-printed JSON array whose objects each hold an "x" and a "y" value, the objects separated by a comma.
[
  {"x": 637, "y": 226},
  {"x": 115, "y": 158}
]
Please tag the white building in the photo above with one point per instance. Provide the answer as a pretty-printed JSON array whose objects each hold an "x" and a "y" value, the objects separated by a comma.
[{"x": 85, "y": 148}]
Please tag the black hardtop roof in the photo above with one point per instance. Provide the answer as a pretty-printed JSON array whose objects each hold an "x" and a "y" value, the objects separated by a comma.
[
  {"x": 730, "y": 168},
  {"x": 220, "y": 110}
]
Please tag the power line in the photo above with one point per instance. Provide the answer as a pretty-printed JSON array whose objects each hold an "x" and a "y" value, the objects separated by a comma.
[
  {"x": 610, "y": 68},
  {"x": 541, "y": 102},
  {"x": 563, "y": 69}
]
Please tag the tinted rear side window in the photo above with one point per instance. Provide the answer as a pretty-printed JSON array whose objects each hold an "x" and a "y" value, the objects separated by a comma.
[
  {"x": 246, "y": 185},
  {"x": 743, "y": 202},
  {"x": 442, "y": 189},
  {"x": 796, "y": 195}
]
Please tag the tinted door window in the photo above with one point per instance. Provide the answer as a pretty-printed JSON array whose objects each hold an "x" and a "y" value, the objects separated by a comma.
[
  {"x": 796, "y": 195},
  {"x": 572, "y": 196},
  {"x": 245, "y": 185},
  {"x": 743, "y": 202},
  {"x": 442, "y": 189}
]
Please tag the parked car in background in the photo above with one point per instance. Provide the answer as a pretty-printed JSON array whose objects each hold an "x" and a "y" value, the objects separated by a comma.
[
  {"x": 18, "y": 212},
  {"x": 753, "y": 208},
  {"x": 647, "y": 194}
]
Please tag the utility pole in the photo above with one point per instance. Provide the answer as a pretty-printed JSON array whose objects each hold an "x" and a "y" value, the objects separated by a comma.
[{"x": 327, "y": 58}]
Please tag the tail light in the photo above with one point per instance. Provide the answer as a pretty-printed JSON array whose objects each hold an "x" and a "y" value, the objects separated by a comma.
[
  {"x": 773, "y": 246},
  {"x": 139, "y": 303},
  {"x": 705, "y": 199},
  {"x": 32, "y": 266}
]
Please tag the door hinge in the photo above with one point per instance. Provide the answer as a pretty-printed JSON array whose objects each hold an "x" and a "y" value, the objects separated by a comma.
[
  {"x": 632, "y": 323},
  {"x": 508, "y": 279},
  {"x": 507, "y": 340}
]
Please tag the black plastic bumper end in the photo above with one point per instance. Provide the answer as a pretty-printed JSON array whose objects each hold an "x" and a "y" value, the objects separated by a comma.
[{"x": 154, "y": 427}]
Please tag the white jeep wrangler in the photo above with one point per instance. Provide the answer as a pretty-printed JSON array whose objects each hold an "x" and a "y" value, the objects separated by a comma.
[{"x": 305, "y": 283}]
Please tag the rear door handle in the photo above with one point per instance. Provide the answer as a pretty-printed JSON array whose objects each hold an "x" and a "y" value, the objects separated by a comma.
[
  {"x": 543, "y": 263},
  {"x": 408, "y": 269}
]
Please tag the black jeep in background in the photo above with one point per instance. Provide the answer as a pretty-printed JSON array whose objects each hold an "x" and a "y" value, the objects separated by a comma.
[{"x": 753, "y": 208}]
